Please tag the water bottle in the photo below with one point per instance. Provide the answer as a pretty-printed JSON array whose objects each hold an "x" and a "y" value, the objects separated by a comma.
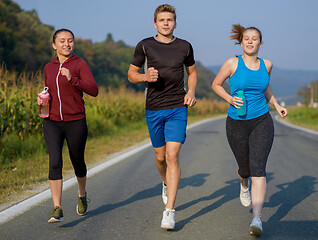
[
  {"x": 44, "y": 109},
  {"x": 242, "y": 110}
]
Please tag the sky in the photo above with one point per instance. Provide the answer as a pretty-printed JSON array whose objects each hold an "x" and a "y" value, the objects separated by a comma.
[{"x": 289, "y": 27}]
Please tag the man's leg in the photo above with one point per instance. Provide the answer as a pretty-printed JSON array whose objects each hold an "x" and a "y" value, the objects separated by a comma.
[
  {"x": 173, "y": 171},
  {"x": 161, "y": 161}
]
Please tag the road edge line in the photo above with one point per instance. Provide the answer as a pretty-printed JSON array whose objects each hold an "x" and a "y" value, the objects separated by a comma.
[
  {"x": 23, "y": 206},
  {"x": 277, "y": 117}
]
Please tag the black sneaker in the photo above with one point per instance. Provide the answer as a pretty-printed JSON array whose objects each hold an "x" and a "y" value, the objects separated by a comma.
[
  {"x": 56, "y": 215},
  {"x": 81, "y": 207}
]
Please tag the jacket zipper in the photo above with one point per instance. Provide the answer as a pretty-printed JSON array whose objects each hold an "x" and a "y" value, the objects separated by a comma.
[{"x": 58, "y": 90}]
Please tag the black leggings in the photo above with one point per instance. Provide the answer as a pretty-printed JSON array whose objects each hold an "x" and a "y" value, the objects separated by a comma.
[
  {"x": 75, "y": 133},
  {"x": 251, "y": 142}
]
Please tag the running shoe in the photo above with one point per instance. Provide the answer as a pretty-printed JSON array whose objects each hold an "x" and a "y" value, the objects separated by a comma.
[
  {"x": 56, "y": 215},
  {"x": 168, "y": 221},
  {"x": 81, "y": 207},
  {"x": 245, "y": 196},
  {"x": 164, "y": 193},
  {"x": 256, "y": 226}
]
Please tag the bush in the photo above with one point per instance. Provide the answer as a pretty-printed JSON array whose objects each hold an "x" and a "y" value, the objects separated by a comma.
[{"x": 12, "y": 148}]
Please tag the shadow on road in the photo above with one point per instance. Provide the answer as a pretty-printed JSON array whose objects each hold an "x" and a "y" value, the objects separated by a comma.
[
  {"x": 289, "y": 196},
  {"x": 227, "y": 193},
  {"x": 194, "y": 181}
]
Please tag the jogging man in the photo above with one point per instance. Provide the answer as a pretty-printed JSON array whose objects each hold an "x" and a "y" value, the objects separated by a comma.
[{"x": 164, "y": 58}]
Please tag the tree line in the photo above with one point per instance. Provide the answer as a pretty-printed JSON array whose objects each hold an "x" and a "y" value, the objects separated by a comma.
[
  {"x": 25, "y": 46},
  {"x": 309, "y": 93}
]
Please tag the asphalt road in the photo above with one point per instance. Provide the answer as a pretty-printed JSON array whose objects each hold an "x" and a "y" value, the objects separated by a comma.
[{"x": 125, "y": 199}]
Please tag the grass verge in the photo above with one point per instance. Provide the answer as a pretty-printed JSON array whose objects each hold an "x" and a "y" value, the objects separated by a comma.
[{"x": 304, "y": 117}]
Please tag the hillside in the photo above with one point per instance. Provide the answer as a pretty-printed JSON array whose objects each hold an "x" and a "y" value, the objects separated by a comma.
[
  {"x": 25, "y": 43},
  {"x": 25, "y": 46},
  {"x": 285, "y": 83}
]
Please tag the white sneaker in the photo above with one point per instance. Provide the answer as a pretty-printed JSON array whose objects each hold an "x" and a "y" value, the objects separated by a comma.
[
  {"x": 256, "y": 226},
  {"x": 168, "y": 221},
  {"x": 164, "y": 193},
  {"x": 245, "y": 196}
]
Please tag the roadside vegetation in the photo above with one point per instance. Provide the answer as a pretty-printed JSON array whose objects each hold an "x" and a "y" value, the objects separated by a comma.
[
  {"x": 116, "y": 121},
  {"x": 306, "y": 117}
]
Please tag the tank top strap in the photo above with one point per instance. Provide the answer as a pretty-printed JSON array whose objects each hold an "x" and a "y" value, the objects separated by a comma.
[
  {"x": 240, "y": 60},
  {"x": 262, "y": 64}
]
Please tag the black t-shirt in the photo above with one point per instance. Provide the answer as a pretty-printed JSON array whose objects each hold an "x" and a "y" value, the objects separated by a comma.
[{"x": 169, "y": 59}]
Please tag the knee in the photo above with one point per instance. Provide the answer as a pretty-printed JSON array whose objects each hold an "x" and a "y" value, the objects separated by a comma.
[
  {"x": 160, "y": 157},
  {"x": 244, "y": 173},
  {"x": 161, "y": 160},
  {"x": 80, "y": 169},
  {"x": 172, "y": 158}
]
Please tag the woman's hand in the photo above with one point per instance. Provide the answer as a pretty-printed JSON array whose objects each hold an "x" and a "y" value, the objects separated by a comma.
[
  {"x": 236, "y": 102},
  {"x": 281, "y": 111},
  {"x": 64, "y": 71},
  {"x": 39, "y": 100}
]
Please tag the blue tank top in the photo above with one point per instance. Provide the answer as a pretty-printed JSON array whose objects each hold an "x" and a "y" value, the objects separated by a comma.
[{"x": 254, "y": 84}]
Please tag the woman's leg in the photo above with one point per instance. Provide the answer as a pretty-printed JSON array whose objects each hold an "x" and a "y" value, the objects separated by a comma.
[
  {"x": 54, "y": 138},
  {"x": 56, "y": 191},
  {"x": 261, "y": 140},
  {"x": 76, "y": 136},
  {"x": 258, "y": 195}
]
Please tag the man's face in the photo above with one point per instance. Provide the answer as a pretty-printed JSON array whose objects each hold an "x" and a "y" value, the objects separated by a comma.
[{"x": 165, "y": 24}]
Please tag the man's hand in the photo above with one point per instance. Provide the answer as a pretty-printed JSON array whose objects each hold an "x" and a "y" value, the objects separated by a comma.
[
  {"x": 189, "y": 99},
  {"x": 152, "y": 75}
]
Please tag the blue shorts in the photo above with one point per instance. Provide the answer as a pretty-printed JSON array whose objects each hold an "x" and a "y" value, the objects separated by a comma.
[{"x": 168, "y": 125}]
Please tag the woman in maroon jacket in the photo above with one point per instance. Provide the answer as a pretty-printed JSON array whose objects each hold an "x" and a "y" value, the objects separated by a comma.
[{"x": 67, "y": 77}]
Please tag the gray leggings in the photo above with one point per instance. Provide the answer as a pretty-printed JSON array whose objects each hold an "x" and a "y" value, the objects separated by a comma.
[{"x": 251, "y": 142}]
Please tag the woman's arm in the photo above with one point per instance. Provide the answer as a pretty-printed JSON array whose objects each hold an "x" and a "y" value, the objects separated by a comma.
[
  {"x": 269, "y": 93},
  {"x": 270, "y": 97},
  {"x": 225, "y": 72},
  {"x": 85, "y": 82}
]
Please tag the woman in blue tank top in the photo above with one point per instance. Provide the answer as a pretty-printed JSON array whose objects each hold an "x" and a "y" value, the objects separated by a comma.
[{"x": 250, "y": 134}]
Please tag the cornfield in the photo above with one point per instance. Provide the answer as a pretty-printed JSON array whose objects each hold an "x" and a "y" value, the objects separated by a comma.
[{"x": 21, "y": 133}]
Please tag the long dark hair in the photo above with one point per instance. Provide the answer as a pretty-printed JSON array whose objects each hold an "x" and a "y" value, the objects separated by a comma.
[{"x": 61, "y": 30}]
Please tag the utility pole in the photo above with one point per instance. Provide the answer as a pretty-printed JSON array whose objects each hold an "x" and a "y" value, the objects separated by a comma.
[
  {"x": 315, "y": 94},
  {"x": 311, "y": 102}
]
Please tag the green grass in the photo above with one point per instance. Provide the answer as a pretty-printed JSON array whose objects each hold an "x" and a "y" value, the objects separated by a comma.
[{"x": 304, "y": 116}]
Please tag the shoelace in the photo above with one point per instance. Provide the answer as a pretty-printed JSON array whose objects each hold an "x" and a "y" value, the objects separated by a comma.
[{"x": 245, "y": 194}]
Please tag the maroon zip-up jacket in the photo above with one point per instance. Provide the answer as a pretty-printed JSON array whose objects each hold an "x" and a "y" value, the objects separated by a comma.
[{"x": 67, "y": 102}]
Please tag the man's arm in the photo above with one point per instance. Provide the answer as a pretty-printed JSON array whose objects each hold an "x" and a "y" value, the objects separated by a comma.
[
  {"x": 135, "y": 77},
  {"x": 189, "y": 98}
]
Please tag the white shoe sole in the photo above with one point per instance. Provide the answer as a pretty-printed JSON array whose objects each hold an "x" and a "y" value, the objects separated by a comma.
[
  {"x": 167, "y": 227},
  {"x": 78, "y": 212},
  {"x": 245, "y": 205},
  {"x": 54, "y": 220},
  {"x": 255, "y": 231}
]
